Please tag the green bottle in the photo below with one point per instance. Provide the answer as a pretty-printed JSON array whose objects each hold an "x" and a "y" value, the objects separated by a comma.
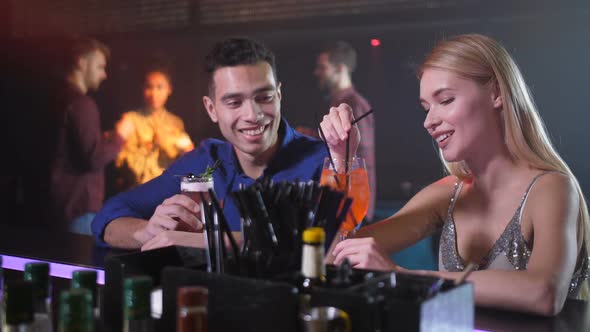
[
  {"x": 19, "y": 308},
  {"x": 137, "y": 304},
  {"x": 87, "y": 279},
  {"x": 75, "y": 311},
  {"x": 38, "y": 274}
]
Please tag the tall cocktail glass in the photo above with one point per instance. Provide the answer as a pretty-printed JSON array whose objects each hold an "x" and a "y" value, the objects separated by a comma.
[
  {"x": 355, "y": 184},
  {"x": 195, "y": 187}
]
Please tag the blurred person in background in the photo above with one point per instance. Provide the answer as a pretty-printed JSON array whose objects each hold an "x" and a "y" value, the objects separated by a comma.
[
  {"x": 82, "y": 150},
  {"x": 155, "y": 138}
]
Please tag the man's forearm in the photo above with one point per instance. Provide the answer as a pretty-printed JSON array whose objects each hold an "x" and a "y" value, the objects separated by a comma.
[{"x": 126, "y": 233}]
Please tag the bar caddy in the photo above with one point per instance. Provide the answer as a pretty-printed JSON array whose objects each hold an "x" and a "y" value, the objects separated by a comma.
[{"x": 253, "y": 286}]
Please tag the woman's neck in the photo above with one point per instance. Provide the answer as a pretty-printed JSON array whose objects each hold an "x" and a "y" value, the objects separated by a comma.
[
  {"x": 157, "y": 111},
  {"x": 494, "y": 171}
]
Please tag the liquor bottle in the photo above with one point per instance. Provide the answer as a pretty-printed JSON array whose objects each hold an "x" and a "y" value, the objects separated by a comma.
[
  {"x": 136, "y": 304},
  {"x": 38, "y": 274},
  {"x": 313, "y": 269},
  {"x": 192, "y": 305},
  {"x": 87, "y": 279},
  {"x": 75, "y": 311},
  {"x": 19, "y": 307}
]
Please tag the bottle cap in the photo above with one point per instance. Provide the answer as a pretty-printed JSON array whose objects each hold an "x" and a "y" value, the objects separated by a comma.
[
  {"x": 193, "y": 296},
  {"x": 136, "y": 297},
  {"x": 314, "y": 235},
  {"x": 75, "y": 310},
  {"x": 19, "y": 302},
  {"x": 38, "y": 274},
  {"x": 85, "y": 279}
]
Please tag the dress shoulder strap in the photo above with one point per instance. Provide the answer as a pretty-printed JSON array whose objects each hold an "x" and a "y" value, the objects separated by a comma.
[
  {"x": 528, "y": 190},
  {"x": 456, "y": 191}
]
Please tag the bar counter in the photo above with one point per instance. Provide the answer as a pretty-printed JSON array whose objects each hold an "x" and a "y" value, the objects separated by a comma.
[{"x": 71, "y": 251}]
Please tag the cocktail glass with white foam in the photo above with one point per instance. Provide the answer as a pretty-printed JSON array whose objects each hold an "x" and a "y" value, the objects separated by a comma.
[{"x": 195, "y": 188}]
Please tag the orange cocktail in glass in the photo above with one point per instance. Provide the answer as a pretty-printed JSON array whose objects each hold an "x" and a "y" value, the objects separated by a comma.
[{"x": 355, "y": 183}]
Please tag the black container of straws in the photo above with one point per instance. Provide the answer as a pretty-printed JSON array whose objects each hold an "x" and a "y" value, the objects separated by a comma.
[{"x": 252, "y": 285}]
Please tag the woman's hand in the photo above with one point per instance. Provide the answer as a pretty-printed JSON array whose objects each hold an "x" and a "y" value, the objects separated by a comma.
[
  {"x": 363, "y": 253},
  {"x": 184, "y": 143},
  {"x": 337, "y": 127},
  {"x": 125, "y": 127}
]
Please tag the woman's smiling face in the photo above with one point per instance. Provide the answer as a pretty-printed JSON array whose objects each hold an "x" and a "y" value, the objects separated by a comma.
[{"x": 461, "y": 115}]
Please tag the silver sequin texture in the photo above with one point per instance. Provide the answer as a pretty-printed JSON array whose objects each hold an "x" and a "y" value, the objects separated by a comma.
[{"x": 511, "y": 245}]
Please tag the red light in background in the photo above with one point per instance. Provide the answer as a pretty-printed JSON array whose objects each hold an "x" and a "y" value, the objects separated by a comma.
[{"x": 375, "y": 42}]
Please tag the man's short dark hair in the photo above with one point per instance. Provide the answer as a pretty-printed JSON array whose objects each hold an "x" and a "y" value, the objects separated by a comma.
[
  {"x": 235, "y": 52},
  {"x": 341, "y": 52},
  {"x": 81, "y": 46}
]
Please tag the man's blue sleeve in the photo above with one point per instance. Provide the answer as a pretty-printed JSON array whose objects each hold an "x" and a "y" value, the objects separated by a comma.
[{"x": 141, "y": 202}]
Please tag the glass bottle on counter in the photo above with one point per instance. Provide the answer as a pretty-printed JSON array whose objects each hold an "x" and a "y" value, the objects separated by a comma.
[
  {"x": 313, "y": 269},
  {"x": 86, "y": 279},
  {"x": 136, "y": 304},
  {"x": 38, "y": 274},
  {"x": 75, "y": 311},
  {"x": 19, "y": 307},
  {"x": 192, "y": 305}
]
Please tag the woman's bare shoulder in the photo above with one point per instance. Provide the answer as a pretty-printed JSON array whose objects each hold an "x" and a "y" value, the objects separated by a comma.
[
  {"x": 436, "y": 196},
  {"x": 553, "y": 193},
  {"x": 443, "y": 187},
  {"x": 553, "y": 183}
]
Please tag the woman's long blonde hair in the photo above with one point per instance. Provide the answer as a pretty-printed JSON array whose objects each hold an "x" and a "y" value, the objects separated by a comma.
[{"x": 485, "y": 61}]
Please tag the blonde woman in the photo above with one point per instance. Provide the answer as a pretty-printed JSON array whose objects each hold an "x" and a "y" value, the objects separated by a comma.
[{"x": 510, "y": 204}]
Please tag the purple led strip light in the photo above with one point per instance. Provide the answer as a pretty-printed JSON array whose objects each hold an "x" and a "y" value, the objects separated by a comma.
[{"x": 55, "y": 269}]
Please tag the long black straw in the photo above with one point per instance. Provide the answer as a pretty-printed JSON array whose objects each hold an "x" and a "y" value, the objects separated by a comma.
[
  {"x": 369, "y": 112},
  {"x": 224, "y": 225},
  {"x": 329, "y": 154},
  {"x": 347, "y": 157},
  {"x": 346, "y": 166}
]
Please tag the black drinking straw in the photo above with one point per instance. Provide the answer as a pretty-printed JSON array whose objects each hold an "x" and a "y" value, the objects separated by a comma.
[
  {"x": 329, "y": 154},
  {"x": 346, "y": 161},
  {"x": 369, "y": 112},
  {"x": 347, "y": 155}
]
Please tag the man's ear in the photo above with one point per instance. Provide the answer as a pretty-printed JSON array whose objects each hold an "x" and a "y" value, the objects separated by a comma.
[
  {"x": 82, "y": 63},
  {"x": 210, "y": 107},
  {"x": 279, "y": 93},
  {"x": 342, "y": 68}
]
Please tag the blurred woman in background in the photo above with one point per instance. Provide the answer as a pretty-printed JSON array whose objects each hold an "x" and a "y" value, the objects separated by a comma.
[{"x": 157, "y": 137}]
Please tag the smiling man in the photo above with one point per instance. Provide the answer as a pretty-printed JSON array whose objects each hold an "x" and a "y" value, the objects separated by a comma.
[{"x": 244, "y": 99}]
